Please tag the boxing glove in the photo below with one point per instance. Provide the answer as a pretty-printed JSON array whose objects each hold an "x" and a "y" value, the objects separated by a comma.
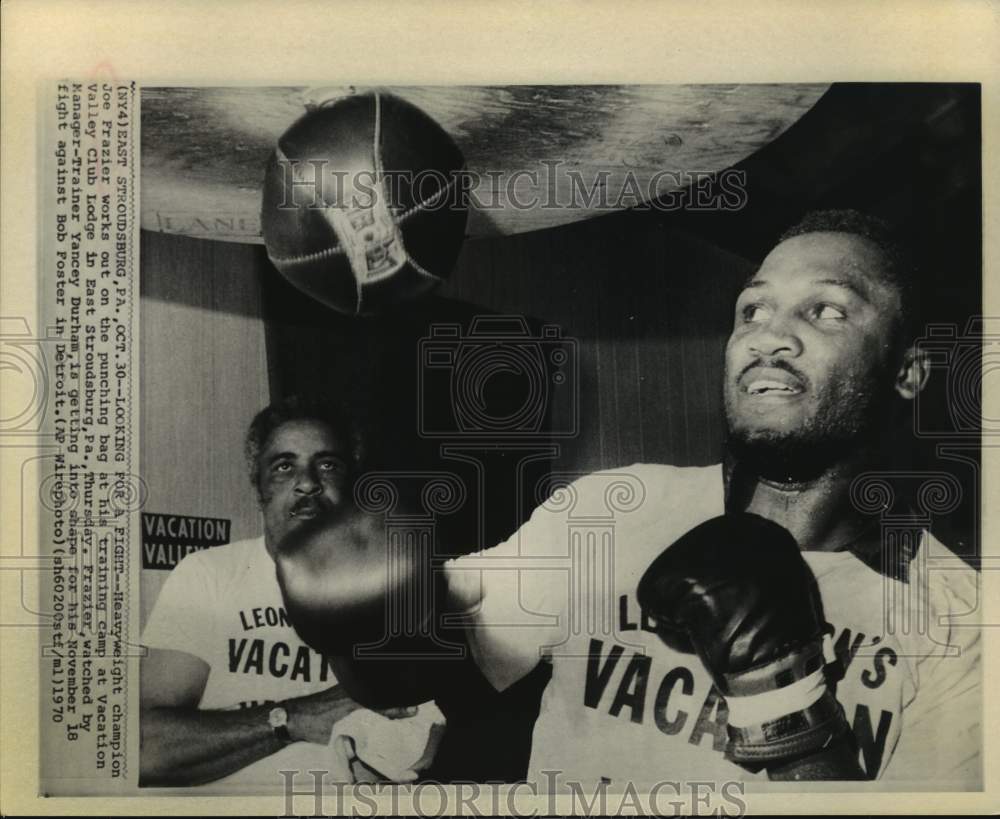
[
  {"x": 366, "y": 601},
  {"x": 736, "y": 591}
]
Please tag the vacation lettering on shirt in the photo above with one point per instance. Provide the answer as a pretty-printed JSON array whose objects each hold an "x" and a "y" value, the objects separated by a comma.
[
  {"x": 636, "y": 686},
  {"x": 272, "y": 655}
]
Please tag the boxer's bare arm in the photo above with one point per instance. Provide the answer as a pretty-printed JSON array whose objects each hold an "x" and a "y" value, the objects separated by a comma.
[
  {"x": 498, "y": 652},
  {"x": 182, "y": 745}
]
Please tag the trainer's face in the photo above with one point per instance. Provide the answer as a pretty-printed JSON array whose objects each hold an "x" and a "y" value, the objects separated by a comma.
[
  {"x": 303, "y": 474},
  {"x": 808, "y": 358}
]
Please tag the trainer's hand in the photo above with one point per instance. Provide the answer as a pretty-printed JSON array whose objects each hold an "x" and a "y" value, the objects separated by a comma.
[
  {"x": 311, "y": 718},
  {"x": 358, "y": 770},
  {"x": 736, "y": 591}
]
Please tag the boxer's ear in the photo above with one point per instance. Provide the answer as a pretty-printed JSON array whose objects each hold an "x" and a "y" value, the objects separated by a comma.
[{"x": 913, "y": 373}]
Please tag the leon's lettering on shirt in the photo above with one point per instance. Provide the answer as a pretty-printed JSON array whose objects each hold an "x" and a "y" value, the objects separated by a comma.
[{"x": 261, "y": 616}]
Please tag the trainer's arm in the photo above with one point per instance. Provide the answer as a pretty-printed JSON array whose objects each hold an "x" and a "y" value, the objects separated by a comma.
[{"x": 182, "y": 745}]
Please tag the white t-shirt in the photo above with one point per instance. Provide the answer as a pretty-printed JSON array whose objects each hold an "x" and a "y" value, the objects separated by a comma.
[
  {"x": 622, "y": 706},
  {"x": 224, "y": 605}
]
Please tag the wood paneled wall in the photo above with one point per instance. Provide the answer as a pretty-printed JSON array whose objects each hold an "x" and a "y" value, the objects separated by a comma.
[
  {"x": 204, "y": 376},
  {"x": 649, "y": 308}
]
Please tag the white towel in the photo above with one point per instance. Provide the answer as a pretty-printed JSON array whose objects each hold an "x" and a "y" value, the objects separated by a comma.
[{"x": 390, "y": 746}]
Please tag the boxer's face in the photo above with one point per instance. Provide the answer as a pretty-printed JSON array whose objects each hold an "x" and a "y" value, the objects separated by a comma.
[
  {"x": 808, "y": 360},
  {"x": 302, "y": 474}
]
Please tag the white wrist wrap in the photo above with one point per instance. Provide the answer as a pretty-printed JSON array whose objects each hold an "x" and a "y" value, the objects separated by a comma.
[{"x": 756, "y": 709}]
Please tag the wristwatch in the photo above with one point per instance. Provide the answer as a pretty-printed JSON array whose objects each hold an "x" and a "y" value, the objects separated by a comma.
[{"x": 278, "y": 720}]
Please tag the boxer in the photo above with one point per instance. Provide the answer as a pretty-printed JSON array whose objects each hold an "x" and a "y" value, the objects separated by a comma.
[{"x": 752, "y": 638}]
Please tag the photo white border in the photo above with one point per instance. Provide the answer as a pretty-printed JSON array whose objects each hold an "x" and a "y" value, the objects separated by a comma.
[{"x": 177, "y": 42}]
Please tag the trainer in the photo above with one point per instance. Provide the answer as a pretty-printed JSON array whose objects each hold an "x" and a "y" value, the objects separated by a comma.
[
  {"x": 229, "y": 692},
  {"x": 781, "y": 636}
]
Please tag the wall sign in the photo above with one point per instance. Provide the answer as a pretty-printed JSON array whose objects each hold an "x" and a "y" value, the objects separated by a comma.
[{"x": 168, "y": 538}]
